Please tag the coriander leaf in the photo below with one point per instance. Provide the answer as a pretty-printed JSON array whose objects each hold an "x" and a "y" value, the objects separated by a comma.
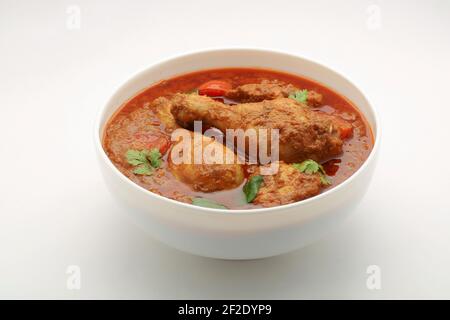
[
  {"x": 144, "y": 160},
  {"x": 202, "y": 202},
  {"x": 321, "y": 169},
  {"x": 300, "y": 96},
  {"x": 135, "y": 157},
  {"x": 324, "y": 179},
  {"x": 311, "y": 167},
  {"x": 155, "y": 157},
  {"x": 251, "y": 188},
  {"x": 307, "y": 166},
  {"x": 144, "y": 169}
]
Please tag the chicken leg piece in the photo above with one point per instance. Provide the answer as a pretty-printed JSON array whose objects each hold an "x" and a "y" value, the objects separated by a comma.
[
  {"x": 303, "y": 133},
  {"x": 211, "y": 172}
]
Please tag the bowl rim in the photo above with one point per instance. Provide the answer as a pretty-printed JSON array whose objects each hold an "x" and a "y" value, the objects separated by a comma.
[{"x": 103, "y": 108}]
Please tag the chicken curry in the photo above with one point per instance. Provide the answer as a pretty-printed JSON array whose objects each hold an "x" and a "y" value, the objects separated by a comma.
[{"x": 321, "y": 138}]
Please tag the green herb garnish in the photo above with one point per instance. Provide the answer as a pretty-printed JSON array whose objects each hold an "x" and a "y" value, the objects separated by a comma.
[
  {"x": 155, "y": 158},
  {"x": 251, "y": 188},
  {"x": 202, "y": 202},
  {"x": 144, "y": 169},
  {"x": 145, "y": 160},
  {"x": 324, "y": 179},
  {"x": 300, "y": 96},
  {"x": 135, "y": 157},
  {"x": 311, "y": 167}
]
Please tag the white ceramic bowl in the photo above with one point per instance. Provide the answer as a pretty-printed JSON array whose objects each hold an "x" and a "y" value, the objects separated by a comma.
[{"x": 236, "y": 234}]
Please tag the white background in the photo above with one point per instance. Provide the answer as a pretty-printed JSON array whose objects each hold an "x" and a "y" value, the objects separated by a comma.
[{"x": 55, "y": 210}]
